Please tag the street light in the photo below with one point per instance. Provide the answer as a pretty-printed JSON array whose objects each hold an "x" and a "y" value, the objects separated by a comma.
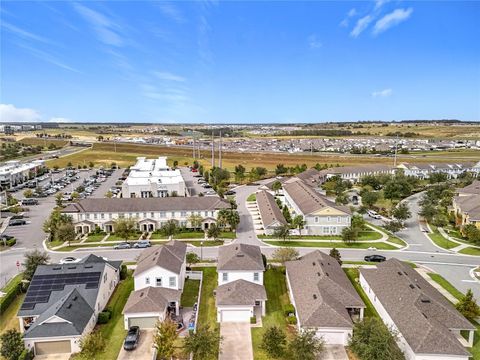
[{"x": 201, "y": 250}]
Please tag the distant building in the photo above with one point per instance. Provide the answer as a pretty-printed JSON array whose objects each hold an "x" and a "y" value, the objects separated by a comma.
[
  {"x": 153, "y": 178},
  {"x": 14, "y": 172}
]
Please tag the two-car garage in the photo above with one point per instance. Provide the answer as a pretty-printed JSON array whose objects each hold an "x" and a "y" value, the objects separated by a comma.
[
  {"x": 145, "y": 322},
  {"x": 334, "y": 337},
  {"x": 234, "y": 315},
  {"x": 53, "y": 347}
]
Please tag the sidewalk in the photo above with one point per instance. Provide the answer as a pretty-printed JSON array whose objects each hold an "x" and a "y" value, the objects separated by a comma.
[
  {"x": 461, "y": 245},
  {"x": 423, "y": 271}
]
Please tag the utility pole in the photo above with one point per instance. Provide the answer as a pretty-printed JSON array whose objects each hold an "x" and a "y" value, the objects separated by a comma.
[
  {"x": 193, "y": 147},
  {"x": 220, "y": 152},
  {"x": 213, "y": 150},
  {"x": 395, "y": 157}
]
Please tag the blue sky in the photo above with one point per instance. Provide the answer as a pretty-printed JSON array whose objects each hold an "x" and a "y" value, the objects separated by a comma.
[{"x": 231, "y": 62}]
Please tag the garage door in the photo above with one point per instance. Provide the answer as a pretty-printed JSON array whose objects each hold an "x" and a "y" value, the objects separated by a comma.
[
  {"x": 53, "y": 347},
  {"x": 235, "y": 315},
  {"x": 333, "y": 338},
  {"x": 143, "y": 322}
]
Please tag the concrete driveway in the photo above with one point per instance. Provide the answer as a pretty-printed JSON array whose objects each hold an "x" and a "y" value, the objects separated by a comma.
[
  {"x": 53, "y": 357},
  {"x": 143, "y": 350},
  {"x": 237, "y": 341},
  {"x": 334, "y": 352}
]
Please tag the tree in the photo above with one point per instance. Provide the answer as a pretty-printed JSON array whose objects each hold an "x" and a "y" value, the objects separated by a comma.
[
  {"x": 91, "y": 345},
  {"x": 349, "y": 234},
  {"x": 298, "y": 223},
  {"x": 284, "y": 254},
  {"x": 274, "y": 342},
  {"x": 175, "y": 164},
  {"x": 165, "y": 338},
  {"x": 203, "y": 344},
  {"x": 277, "y": 185},
  {"x": 109, "y": 194},
  {"x": 233, "y": 219},
  {"x": 195, "y": 221},
  {"x": 192, "y": 258},
  {"x": 75, "y": 195},
  {"x": 437, "y": 178},
  {"x": 32, "y": 260},
  {"x": 28, "y": 193},
  {"x": 428, "y": 211},
  {"x": 12, "y": 344},
  {"x": 369, "y": 198},
  {"x": 286, "y": 214},
  {"x": 52, "y": 224},
  {"x": 58, "y": 199},
  {"x": 305, "y": 345},
  {"x": 213, "y": 231},
  {"x": 401, "y": 212},
  {"x": 357, "y": 222},
  {"x": 170, "y": 228},
  {"x": 91, "y": 164},
  {"x": 468, "y": 306},
  {"x": 341, "y": 199},
  {"x": 371, "y": 339},
  {"x": 239, "y": 173},
  {"x": 125, "y": 228},
  {"x": 66, "y": 232},
  {"x": 472, "y": 233},
  {"x": 336, "y": 255},
  {"x": 281, "y": 169},
  {"x": 282, "y": 232},
  {"x": 393, "y": 226}
]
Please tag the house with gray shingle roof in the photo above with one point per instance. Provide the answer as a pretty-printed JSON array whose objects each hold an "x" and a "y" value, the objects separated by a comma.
[
  {"x": 63, "y": 302},
  {"x": 428, "y": 325},
  {"x": 158, "y": 282},
  {"x": 240, "y": 294},
  {"x": 323, "y": 297},
  {"x": 270, "y": 214}
]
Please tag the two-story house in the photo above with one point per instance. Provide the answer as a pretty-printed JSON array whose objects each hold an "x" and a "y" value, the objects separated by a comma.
[
  {"x": 240, "y": 294},
  {"x": 321, "y": 216},
  {"x": 158, "y": 282},
  {"x": 63, "y": 301}
]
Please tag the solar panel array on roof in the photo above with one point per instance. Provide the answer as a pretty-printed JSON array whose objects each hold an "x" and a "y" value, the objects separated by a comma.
[{"x": 42, "y": 286}]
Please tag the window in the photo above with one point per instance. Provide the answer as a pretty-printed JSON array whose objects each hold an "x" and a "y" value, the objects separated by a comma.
[
  {"x": 162, "y": 214},
  {"x": 316, "y": 219},
  {"x": 158, "y": 281},
  {"x": 110, "y": 216},
  {"x": 152, "y": 215},
  {"x": 256, "y": 277},
  {"x": 102, "y": 216},
  {"x": 137, "y": 215},
  {"x": 173, "y": 214},
  {"x": 183, "y": 214},
  {"x": 147, "y": 281},
  {"x": 206, "y": 213},
  {"x": 95, "y": 216},
  {"x": 88, "y": 216},
  {"x": 339, "y": 219},
  {"x": 224, "y": 276},
  {"x": 328, "y": 218},
  {"x": 172, "y": 281},
  {"x": 144, "y": 215}
]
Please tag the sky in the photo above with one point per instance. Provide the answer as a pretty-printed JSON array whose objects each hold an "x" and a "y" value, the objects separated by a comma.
[{"x": 239, "y": 61}]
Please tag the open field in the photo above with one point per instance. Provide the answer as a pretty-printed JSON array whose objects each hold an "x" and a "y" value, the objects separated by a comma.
[{"x": 102, "y": 154}]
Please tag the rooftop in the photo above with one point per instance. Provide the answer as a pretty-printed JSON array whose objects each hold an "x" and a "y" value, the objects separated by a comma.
[
  {"x": 240, "y": 257},
  {"x": 240, "y": 292},
  {"x": 269, "y": 210},
  {"x": 170, "y": 256}
]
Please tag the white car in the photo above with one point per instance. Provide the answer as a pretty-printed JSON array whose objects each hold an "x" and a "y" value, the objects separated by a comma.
[
  {"x": 373, "y": 248},
  {"x": 373, "y": 214},
  {"x": 69, "y": 260}
]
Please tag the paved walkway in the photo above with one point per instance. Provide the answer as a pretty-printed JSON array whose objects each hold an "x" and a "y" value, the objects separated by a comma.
[
  {"x": 461, "y": 245},
  {"x": 237, "y": 341}
]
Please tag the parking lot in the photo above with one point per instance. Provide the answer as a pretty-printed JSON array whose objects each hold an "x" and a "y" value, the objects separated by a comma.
[{"x": 191, "y": 181}]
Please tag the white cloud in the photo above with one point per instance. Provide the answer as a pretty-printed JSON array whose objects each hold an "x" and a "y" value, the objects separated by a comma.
[
  {"x": 171, "y": 11},
  {"x": 394, "y": 18},
  {"x": 107, "y": 31},
  {"x": 314, "y": 42},
  {"x": 382, "y": 93},
  {"x": 352, "y": 12},
  {"x": 42, "y": 55},
  {"x": 361, "y": 25},
  {"x": 23, "y": 33},
  {"x": 10, "y": 113},
  {"x": 59, "y": 120},
  {"x": 380, "y": 3},
  {"x": 165, "y": 75}
]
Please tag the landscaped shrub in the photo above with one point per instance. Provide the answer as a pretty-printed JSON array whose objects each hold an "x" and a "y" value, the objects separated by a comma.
[
  {"x": 11, "y": 242},
  {"x": 253, "y": 320},
  {"x": 8, "y": 298},
  {"x": 103, "y": 317},
  {"x": 292, "y": 320},
  {"x": 26, "y": 355},
  {"x": 123, "y": 272},
  {"x": 289, "y": 310}
]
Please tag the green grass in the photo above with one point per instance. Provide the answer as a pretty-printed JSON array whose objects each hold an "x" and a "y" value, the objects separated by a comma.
[
  {"x": 115, "y": 237},
  {"x": 190, "y": 293},
  {"x": 362, "y": 236},
  {"x": 338, "y": 245},
  {"x": 275, "y": 285},
  {"x": 206, "y": 243},
  {"x": 396, "y": 240},
  {"x": 8, "y": 319},
  {"x": 446, "y": 285},
  {"x": 353, "y": 275},
  {"x": 113, "y": 331},
  {"x": 13, "y": 283},
  {"x": 155, "y": 236},
  {"x": 470, "y": 251},
  {"x": 351, "y": 262},
  {"x": 52, "y": 244},
  {"x": 439, "y": 240},
  {"x": 190, "y": 235},
  {"x": 207, "y": 312},
  {"x": 228, "y": 235},
  {"x": 95, "y": 237},
  {"x": 252, "y": 197}
]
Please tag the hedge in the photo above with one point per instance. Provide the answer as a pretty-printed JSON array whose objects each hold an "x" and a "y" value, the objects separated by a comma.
[
  {"x": 123, "y": 272},
  {"x": 8, "y": 298},
  {"x": 289, "y": 309},
  {"x": 11, "y": 242},
  {"x": 26, "y": 355},
  {"x": 103, "y": 317},
  {"x": 292, "y": 320}
]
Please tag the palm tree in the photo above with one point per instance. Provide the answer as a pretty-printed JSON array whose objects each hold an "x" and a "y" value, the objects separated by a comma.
[{"x": 298, "y": 223}]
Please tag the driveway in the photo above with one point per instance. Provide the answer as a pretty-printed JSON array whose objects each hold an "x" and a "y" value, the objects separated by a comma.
[
  {"x": 143, "y": 350},
  {"x": 237, "y": 341},
  {"x": 334, "y": 352},
  {"x": 53, "y": 357}
]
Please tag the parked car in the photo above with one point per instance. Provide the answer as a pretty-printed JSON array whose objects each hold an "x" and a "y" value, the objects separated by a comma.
[
  {"x": 69, "y": 260},
  {"x": 230, "y": 192},
  {"x": 373, "y": 214},
  {"x": 132, "y": 338},
  {"x": 207, "y": 186},
  {"x": 123, "y": 245},
  {"x": 29, "y": 202},
  {"x": 6, "y": 237},
  {"x": 17, "y": 222},
  {"x": 375, "y": 258},
  {"x": 142, "y": 244}
]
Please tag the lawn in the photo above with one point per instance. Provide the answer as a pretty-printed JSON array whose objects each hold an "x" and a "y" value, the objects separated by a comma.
[
  {"x": 362, "y": 236},
  {"x": 8, "y": 320},
  {"x": 190, "y": 293},
  {"x": 113, "y": 331},
  {"x": 328, "y": 244},
  {"x": 446, "y": 285},
  {"x": 252, "y": 197},
  {"x": 276, "y": 287},
  {"x": 439, "y": 240},
  {"x": 470, "y": 251},
  {"x": 396, "y": 240},
  {"x": 156, "y": 235},
  {"x": 95, "y": 237},
  {"x": 207, "y": 312},
  {"x": 115, "y": 237},
  {"x": 228, "y": 235},
  {"x": 190, "y": 235},
  {"x": 206, "y": 243},
  {"x": 353, "y": 274}
]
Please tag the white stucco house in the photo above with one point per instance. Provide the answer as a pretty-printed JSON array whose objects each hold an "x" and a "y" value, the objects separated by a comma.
[
  {"x": 428, "y": 325},
  {"x": 158, "y": 283},
  {"x": 323, "y": 297},
  {"x": 240, "y": 294}
]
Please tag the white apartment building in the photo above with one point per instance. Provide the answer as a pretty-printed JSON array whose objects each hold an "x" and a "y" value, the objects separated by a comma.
[
  {"x": 14, "y": 172},
  {"x": 150, "y": 213},
  {"x": 153, "y": 178}
]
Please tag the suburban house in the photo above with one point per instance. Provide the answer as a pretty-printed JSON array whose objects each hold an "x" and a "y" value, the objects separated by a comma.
[
  {"x": 240, "y": 294},
  {"x": 149, "y": 213},
  {"x": 63, "y": 301},
  {"x": 158, "y": 283},
  {"x": 466, "y": 205},
  {"x": 270, "y": 214},
  {"x": 324, "y": 298},
  {"x": 321, "y": 216},
  {"x": 355, "y": 173},
  {"x": 423, "y": 171},
  {"x": 428, "y": 325},
  {"x": 153, "y": 178}
]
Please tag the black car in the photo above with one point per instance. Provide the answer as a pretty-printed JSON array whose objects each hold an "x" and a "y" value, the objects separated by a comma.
[
  {"x": 29, "y": 202},
  {"x": 375, "y": 258},
  {"x": 131, "y": 340},
  {"x": 5, "y": 237},
  {"x": 230, "y": 192},
  {"x": 16, "y": 222}
]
